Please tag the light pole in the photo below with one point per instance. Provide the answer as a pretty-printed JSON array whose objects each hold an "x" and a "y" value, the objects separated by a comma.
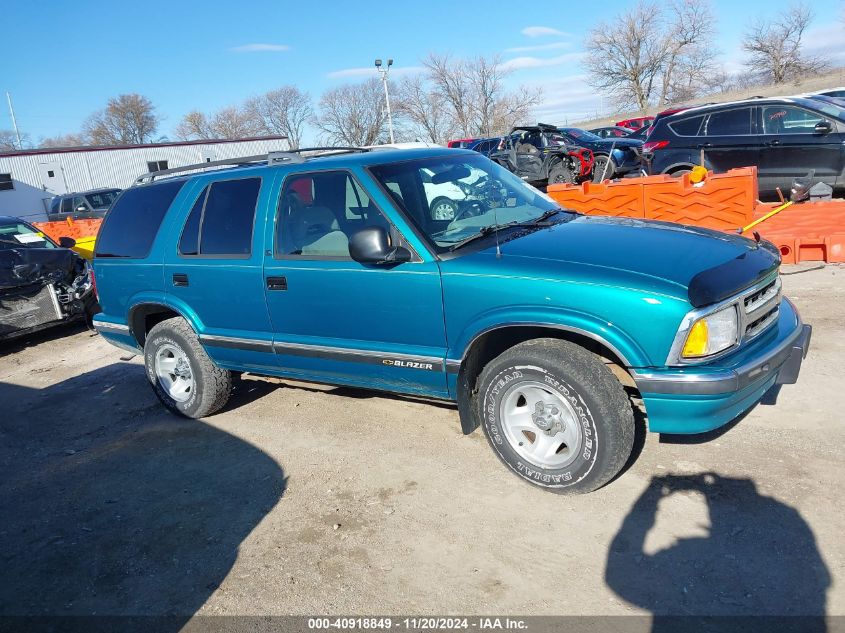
[{"x": 383, "y": 72}]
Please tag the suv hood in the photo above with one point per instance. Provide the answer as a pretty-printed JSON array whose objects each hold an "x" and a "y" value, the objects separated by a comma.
[{"x": 707, "y": 266}]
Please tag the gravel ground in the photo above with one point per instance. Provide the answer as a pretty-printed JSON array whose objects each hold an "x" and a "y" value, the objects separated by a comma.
[{"x": 300, "y": 499}]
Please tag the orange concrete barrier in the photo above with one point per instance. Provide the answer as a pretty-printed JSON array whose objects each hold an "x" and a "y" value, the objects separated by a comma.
[
  {"x": 70, "y": 228},
  {"x": 722, "y": 201}
]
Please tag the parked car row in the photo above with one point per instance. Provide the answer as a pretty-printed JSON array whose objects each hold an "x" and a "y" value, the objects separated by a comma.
[
  {"x": 784, "y": 137},
  {"x": 545, "y": 154}
]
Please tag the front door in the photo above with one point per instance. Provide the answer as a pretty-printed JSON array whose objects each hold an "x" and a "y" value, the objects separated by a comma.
[
  {"x": 339, "y": 321},
  {"x": 793, "y": 148}
]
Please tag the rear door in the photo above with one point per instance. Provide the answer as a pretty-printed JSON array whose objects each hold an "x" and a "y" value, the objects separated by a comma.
[
  {"x": 793, "y": 148},
  {"x": 729, "y": 139},
  {"x": 340, "y": 321},
  {"x": 213, "y": 268}
]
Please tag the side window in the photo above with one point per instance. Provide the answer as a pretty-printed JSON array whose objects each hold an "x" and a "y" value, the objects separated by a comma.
[
  {"x": 318, "y": 212},
  {"x": 79, "y": 205},
  {"x": 687, "y": 127},
  {"x": 189, "y": 243},
  {"x": 67, "y": 205},
  {"x": 221, "y": 220},
  {"x": 730, "y": 122},
  {"x": 789, "y": 120},
  {"x": 133, "y": 222}
]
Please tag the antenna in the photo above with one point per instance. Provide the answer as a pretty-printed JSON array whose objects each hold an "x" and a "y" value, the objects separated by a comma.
[{"x": 496, "y": 222}]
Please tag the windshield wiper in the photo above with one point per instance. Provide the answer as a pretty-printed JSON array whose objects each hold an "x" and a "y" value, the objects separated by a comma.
[
  {"x": 493, "y": 228},
  {"x": 548, "y": 214}
]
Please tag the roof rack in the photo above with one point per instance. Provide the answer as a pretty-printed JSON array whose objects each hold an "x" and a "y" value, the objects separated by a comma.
[{"x": 271, "y": 158}]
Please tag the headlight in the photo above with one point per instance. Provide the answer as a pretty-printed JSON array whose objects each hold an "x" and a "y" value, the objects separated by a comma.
[{"x": 711, "y": 334}]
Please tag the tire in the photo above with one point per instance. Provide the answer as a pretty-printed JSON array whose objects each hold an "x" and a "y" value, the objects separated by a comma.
[
  {"x": 573, "y": 386},
  {"x": 204, "y": 388},
  {"x": 679, "y": 173},
  {"x": 443, "y": 203},
  {"x": 599, "y": 168},
  {"x": 559, "y": 174}
]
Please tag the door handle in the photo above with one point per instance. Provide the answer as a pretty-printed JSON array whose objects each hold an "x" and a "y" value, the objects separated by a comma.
[
  {"x": 774, "y": 142},
  {"x": 180, "y": 279},
  {"x": 277, "y": 283},
  {"x": 705, "y": 145}
]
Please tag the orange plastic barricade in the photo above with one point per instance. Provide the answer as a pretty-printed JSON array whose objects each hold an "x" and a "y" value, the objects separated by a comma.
[
  {"x": 721, "y": 201},
  {"x": 70, "y": 228}
]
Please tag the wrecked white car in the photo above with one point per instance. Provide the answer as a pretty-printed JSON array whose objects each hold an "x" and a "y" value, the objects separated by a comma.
[{"x": 41, "y": 283}]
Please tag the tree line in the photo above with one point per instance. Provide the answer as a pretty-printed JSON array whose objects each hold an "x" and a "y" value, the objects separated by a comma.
[{"x": 652, "y": 54}]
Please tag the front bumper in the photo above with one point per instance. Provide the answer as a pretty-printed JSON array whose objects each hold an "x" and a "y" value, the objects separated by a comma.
[{"x": 703, "y": 398}]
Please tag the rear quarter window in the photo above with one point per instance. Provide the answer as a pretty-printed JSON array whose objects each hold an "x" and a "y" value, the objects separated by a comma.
[
  {"x": 133, "y": 222},
  {"x": 687, "y": 127}
]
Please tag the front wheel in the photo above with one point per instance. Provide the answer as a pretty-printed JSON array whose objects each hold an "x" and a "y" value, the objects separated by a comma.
[
  {"x": 180, "y": 372},
  {"x": 556, "y": 415},
  {"x": 561, "y": 174}
]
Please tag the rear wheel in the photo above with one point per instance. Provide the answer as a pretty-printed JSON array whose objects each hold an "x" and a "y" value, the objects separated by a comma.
[
  {"x": 556, "y": 415},
  {"x": 182, "y": 375},
  {"x": 602, "y": 168}
]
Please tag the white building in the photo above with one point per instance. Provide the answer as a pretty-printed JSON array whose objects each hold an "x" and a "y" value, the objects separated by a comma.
[{"x": 30, "y": 178}]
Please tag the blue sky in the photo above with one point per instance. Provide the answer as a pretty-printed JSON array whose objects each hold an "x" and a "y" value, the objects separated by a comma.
[{"x": 62, "y": 60}]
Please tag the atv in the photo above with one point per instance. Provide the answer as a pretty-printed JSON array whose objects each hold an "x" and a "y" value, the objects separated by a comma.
[{"x": 540, "y": 155}]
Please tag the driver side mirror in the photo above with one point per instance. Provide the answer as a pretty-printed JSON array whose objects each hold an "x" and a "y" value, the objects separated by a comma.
[
  {"x": 371, "y": 245},
  {"x": 67, "y": 242},
  {"x": 823, "y": 127},
  {"x": 81, "y": 209}
]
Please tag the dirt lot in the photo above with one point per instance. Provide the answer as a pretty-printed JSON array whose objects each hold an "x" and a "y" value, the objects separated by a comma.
[{"x": 302, "y": 499}]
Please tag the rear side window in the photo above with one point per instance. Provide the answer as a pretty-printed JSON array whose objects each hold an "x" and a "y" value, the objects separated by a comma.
[
  {"x": 735, "y": 122},
  {"x": 222, "y": 219},
  {"x": 687, "y": 127},
  {"x": 131, "y": 226}
]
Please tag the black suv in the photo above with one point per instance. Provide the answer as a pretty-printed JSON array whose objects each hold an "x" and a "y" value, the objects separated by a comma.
[
  {"x": 82, "y": 205},
  {"x": 540, "y": 155},
  {"x": 785, "y": 138}
]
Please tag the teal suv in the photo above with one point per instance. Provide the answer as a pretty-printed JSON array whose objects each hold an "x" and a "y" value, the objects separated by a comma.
[{"x": 541, "y": 323}]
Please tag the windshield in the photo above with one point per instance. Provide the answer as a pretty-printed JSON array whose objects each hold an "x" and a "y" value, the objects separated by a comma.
[
  {"x": 20, "y": 235},
  {"x": 451, "y": 199},
  {"x": 102, "y": 199},
  {"x": 581, "y": 135}
]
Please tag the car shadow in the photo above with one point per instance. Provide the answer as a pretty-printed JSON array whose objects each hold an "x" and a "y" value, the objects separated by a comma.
[
  {"x": 113, "y": 506},
  {"x": 31, "y": 339},
  {"x": 759, "y": 558}
]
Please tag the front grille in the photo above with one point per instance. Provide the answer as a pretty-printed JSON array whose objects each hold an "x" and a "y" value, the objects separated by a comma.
[{"x": 760, "y": 309}]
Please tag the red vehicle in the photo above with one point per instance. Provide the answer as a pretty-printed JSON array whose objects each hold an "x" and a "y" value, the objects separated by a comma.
[
  {"x": 460, "y": 143},
  {"x": 636, "y": 123}
]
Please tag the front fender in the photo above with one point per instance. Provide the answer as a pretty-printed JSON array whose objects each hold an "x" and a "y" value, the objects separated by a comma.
[{"x": 609, "y": 334}]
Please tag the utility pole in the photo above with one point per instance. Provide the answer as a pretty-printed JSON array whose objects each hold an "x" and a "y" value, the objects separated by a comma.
[
  {"x": 14, "y": 121},
  {"x": 383, "y": 72}
]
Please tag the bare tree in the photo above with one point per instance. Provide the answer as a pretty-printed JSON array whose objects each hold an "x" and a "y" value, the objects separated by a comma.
[
  {"x": 688, "y": 56},
  {"x": 228, "y": 123},
  {"x": 127, "y": 119},
  {"x": 625, "y": 58},
  {"x": 282, "y": 111},
  {"x": 474, "y": 91},
  {"x": 9, "y": 140},
  {"x": 353, "y": 114},
  {"x": 193, "y": 126},
  {"x": 652, "y": 53},
  {"x": 424, "y": 110},
  {"x": 775, "y": 46},
  {"x": 63, "y": 140}
]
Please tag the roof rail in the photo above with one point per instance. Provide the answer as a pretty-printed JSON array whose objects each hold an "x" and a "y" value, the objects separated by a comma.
[{"x": 271, "y": 158}]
